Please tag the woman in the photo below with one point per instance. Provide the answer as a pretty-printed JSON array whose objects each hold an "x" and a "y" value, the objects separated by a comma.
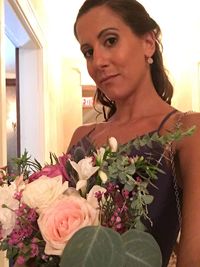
[{"x": 121, "y": 44}]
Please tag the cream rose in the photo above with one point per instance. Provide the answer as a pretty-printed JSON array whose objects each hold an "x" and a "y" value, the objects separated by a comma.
[
  {"x": 40, "y": 193},
  {"x": 7, "y": 215},
  {"x": 62, "y": 219}
]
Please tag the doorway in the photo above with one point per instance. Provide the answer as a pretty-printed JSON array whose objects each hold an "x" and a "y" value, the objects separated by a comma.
[
  {"x": 12, "y": 97},
  {"x": 27, "y": 127}
]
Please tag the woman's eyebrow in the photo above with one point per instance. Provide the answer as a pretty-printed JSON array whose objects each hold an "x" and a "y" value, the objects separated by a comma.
[
  {"x": 105, "y": 30},
  {"x": 99, "y": 36}
]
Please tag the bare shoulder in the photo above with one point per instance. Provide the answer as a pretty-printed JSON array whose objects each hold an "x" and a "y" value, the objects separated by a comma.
[
  {"x": 191, "y": 118},
  {"x": 80, "y": 132}
]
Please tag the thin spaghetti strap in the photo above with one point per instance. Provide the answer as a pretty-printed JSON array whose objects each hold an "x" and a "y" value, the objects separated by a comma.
[
  {"x": 165, "y": 119},
  {"x": 89, "y": 133}
]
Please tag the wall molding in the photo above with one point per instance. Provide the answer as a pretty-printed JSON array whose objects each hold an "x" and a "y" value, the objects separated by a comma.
[{"x": 26, "y": 14}]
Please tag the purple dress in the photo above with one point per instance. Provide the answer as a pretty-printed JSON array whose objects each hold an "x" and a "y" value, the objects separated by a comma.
[{"x": 163, "y": 210}]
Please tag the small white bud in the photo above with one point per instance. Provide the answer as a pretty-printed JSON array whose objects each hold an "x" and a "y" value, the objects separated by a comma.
[
  {"x": 103, "y": 176},
  {"x": 112, "y": 142}
]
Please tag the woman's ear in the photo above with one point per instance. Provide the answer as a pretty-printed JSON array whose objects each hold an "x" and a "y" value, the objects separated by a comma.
[{"x": 149, "y": 44}]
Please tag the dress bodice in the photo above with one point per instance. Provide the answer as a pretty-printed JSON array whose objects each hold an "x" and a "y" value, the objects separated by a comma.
[{"x": 163, "y": 211}]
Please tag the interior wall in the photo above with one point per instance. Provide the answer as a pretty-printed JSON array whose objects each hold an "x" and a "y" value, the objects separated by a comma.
[
  {"x": 180, "y": 25},
  {"x": 31, "y": 99},
  {"x": 63, "y": 92},
  {"x": 70, "y": 112},
  {"x": 11, "y": 123}
]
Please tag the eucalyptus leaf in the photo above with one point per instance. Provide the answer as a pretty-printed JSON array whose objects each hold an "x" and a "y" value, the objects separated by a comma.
[
  {"x": 128, "y": 187},
  {"x": 131, "y": 169},
  {"x": 94, "y": 246},
  {"x": 141, "y": 249},
  {"x": 139, "y": 225},
  {"x": 122, "y": 176},
  {"x": 147, "y": 199}
]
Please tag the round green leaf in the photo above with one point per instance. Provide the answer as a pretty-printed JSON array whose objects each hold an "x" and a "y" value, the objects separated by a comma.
[
  {"x": 94, "y": 246},
  {"x": 141, "y": 249},
  {"x": 147, "y": 199}
]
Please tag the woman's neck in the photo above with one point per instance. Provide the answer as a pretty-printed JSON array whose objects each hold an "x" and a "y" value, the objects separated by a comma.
[{"x": 145, "y": 104}]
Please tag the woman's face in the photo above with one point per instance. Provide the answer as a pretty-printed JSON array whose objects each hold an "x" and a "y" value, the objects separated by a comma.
[{"x": 116, "y": 57}]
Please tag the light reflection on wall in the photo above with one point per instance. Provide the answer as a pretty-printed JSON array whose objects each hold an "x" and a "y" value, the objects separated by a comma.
[
  {"x": 11, "y": 122},
  {"x": 11, "y": 116}
]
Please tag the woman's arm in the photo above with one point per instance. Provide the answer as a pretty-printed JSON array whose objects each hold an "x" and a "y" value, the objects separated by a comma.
[{"x": 189, "y": 164}]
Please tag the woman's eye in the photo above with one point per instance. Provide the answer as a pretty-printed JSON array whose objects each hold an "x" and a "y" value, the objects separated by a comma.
[
  {"x": 88, "y": 53},
  {"x": 111, "y": 41}
]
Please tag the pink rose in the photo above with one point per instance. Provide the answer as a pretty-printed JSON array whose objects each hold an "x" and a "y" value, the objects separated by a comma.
[
  {"x": 62, "y": 219},
  {"x": 53, "y": 170}
]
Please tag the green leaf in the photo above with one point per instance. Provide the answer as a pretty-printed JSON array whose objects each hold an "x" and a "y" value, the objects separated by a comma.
[
  {"x": 147, "y": 199},
  {"x": 128, "y": 187},
  {"x": 4, "y": 245},
  {"x": 94, "y": 246},
  {"x": 12, "y": 252},
  {"x": 141, "y": 249},
  {"x": 131, "y": 169},
  {"x": 122, "y": 176},
  {"x": 139, "y": 225}
]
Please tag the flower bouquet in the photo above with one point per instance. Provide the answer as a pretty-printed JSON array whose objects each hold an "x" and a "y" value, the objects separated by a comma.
[{"x": 82, "y": 210}]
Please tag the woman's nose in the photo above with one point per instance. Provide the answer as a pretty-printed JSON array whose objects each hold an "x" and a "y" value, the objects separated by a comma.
[{"x": 100, "y": 58}]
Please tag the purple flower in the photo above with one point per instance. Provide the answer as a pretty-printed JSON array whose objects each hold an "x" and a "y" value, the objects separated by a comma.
[
  {"x": 32, "y": 215},
  {"x": 99, "y": 195},
  {"x": 20, "y": 260},
  {"x": 18, "y": 195},
  {"x": 125, "y": 193},
  {"x": 34, "y": 240},
  {"x": 34, "y": 250},
  {"x": 52, "y": 171},
  {"x": 62, "y": 161},
  {"x": 20, "y": 245},
  {"x": 16, "y": 236}
]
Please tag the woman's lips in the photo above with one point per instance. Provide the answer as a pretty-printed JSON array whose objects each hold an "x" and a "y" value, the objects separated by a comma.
[{"x": 108, "y": 78}]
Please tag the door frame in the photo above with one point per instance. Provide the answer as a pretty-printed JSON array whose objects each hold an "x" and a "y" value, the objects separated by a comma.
[
  {"x": 32, "y": 75},
  {"x": 34, "y": 54}
]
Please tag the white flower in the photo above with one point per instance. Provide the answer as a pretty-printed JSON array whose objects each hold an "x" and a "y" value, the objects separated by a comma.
[
  {"x": 100, "y": 154},
  {"x": 2, "y": 173},
  {"x": 85, "y": 170},
  {"x": 91, "y": 196},
  {"x": 103, "y": 176},
  {"x": 42, "y": 192},
  {"x": 112, "y": 142},
  {"x": 18, "y": 184},
  {"x": 7, "y": 215}
]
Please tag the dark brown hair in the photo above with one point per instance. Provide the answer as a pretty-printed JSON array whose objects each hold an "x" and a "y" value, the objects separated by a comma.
[{"x": 137, "y": 18}]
